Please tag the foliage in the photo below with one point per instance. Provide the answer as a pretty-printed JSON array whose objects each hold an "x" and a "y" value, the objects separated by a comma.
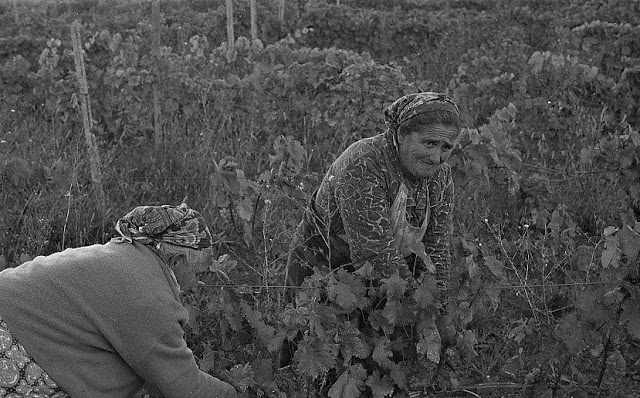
[{"x": 545, "y": 287}]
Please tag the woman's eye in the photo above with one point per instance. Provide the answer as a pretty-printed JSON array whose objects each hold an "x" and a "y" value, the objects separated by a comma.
[{"x": 447, "y": 147}]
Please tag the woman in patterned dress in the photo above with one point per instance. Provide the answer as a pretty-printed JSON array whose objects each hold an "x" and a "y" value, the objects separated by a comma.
[
  {"x": 386, "y": 200},
  {"x": 102, "y": 320}
]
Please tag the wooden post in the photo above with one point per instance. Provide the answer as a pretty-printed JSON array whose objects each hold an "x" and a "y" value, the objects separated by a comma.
[
  {"x": 254, "y": 21},
  {"x": 87, "y": 119},
  {"x": 155, "y": 46},
  {"x": 16, "y": 15},
  {"x": 281, "y": 12},
  {"x": 231, "y": 40}
]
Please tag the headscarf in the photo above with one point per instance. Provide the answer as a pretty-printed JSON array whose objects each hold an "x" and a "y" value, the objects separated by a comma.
[
  {"x": 411, "y": 105},
  {"x": 179, "y": 226}
]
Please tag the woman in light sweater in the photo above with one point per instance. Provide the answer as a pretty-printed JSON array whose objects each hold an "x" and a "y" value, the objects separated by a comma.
[{"x": 100, "y": 321}]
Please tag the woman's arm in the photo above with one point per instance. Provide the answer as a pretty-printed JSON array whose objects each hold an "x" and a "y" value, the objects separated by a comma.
[
  {"x": 154, "y": 347},
  {"x": 438, "y": 236}
]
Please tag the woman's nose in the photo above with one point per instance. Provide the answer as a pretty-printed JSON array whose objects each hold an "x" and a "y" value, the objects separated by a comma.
[{"x": 436, "y": 155}]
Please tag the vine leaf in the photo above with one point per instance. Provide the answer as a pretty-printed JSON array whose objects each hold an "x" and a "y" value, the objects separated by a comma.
[
  {"x": 351, "y": 344},
  {"x": 241, "y": 377},
  {"x": 468, "y": 343},
  {"x": 569, "y": 332},
  {"x": 276, "y": 342},
  {"x": 382, "y": 353},
  {"x": 313, "y": 357},
  {"x": 424, "y": 294},
  {"x": 341, "y": 294},
  {"x": 265, "y": 332},
  {"x": 429, "y": 342},
  {"x": 590, "y": 305},
  {"x": 496, "y": 267},
  {"x": 631, "y": 316},
  {"x": 350, "y": 383},
  {"x": 393, "y": 286},
  {"x": 380, "y": 387},
  {"x": 611, "y": 254},
  {"x": 629, "y": 242},
  {"x": 398, "y": 376}
]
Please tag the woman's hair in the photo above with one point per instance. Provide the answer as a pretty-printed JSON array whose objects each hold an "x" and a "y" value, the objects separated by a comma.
[
  {"x": 196, "y": 258},
  {"x": 436, "y": 116}
]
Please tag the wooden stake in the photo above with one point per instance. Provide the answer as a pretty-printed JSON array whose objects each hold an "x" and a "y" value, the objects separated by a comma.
[
  {"x": 231, "y": 40},
  {"x": 254, "y": 21},
  {"x": 155, "y": 46},
  {"x": 87, "y": 119},
  {"x": 16, "y": 15},
  {"x": 281, "y": 12}
]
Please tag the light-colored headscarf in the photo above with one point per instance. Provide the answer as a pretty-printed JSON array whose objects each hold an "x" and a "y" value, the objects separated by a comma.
[
  {"x": 411, "y": 105},
  {"x": 177, "y": 225}
]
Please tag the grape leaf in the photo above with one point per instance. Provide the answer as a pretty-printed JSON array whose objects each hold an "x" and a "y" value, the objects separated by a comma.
[
  {"x": 341, "y": 294},
  {"x": 276, "y": 342},
  {"x": 265, "y": 332},
  {"x": 24, "y": 258},
  {"x": 241, "y": 377},
  {"x": 611, "y": 255},
  {"x": 208, "y": 361},
  {"x": 629, "y": 242},
  {"x": 472, "y": 267},
  {"x": 377, "y": 320},
  {"x": 263, "y": 370},
  {"x": 382, "y": 353},
  {"x": 589, "y": 305},
  {"x": 380, "y": 387},
  {"x": 244, "y": 209},
  {"x": 468, "y": 343},
  {"x": 231, "y": 313},
  {"x": 429, "y": 342},
  {"x": 393, "y": 311},
  {"x": 314, "y": 357},
  {"x": 463, "y": 312},
  {"x": 351, "y": 344},
  {"x": 570, "y": 333},
  {"x": 393, "y": 285},
  {"x": 496, "y": 267},
  {"x": 350, "y": 383},
  {"x": 398, "y": 375},
  {"x": 631, "y": 316},
  {"x": 423, "y": 295}
]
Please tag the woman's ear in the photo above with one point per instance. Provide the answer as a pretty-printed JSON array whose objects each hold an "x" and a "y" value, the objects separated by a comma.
[
  {"x": 177, "y": 260},
  {"x": 183, "y": 271}
]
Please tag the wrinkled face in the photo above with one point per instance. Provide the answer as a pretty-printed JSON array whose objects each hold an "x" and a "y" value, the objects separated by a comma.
[
  {"x": 189, "y": 263},
  {"x": 423, "y": 152}
]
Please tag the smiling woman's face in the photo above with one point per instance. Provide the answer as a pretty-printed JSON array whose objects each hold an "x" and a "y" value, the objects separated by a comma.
[{"x": 423, "y": 152}]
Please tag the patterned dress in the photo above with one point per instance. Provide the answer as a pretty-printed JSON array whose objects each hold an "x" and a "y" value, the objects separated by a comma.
[
  {"x": 348, "y": 220},
  {"x": 20, "y": 375}
]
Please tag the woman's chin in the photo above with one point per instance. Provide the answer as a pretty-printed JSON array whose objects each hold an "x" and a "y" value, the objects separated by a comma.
[{"x": 425, "y": 170}]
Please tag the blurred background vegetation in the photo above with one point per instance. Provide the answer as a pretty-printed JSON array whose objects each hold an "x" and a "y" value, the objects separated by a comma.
[{"x": 549, "y": 158}]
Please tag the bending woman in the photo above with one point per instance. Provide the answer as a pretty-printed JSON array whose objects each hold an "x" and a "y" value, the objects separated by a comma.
[{"x": 100, "y": 321}]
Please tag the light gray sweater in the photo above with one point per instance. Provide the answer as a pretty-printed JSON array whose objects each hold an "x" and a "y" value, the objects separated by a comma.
[{"x": 101, "y": 320}]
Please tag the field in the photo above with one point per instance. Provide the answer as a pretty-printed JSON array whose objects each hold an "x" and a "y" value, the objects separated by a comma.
[{"x": 241, "y": 122}]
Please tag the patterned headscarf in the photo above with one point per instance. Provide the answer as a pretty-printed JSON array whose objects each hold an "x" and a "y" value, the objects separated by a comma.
[
  {"x": 179, "y": 226},
  {"x": 411, "y": 105}
]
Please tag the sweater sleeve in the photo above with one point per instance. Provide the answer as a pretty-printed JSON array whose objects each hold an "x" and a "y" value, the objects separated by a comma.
[
  {"x": 364, "y": 208},
  {"x": 153, "y": 345},
  {"x": 437, "y": 237}
]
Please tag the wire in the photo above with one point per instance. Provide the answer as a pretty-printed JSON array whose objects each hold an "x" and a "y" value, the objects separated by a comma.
[{"x": 550, "y": 285}]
